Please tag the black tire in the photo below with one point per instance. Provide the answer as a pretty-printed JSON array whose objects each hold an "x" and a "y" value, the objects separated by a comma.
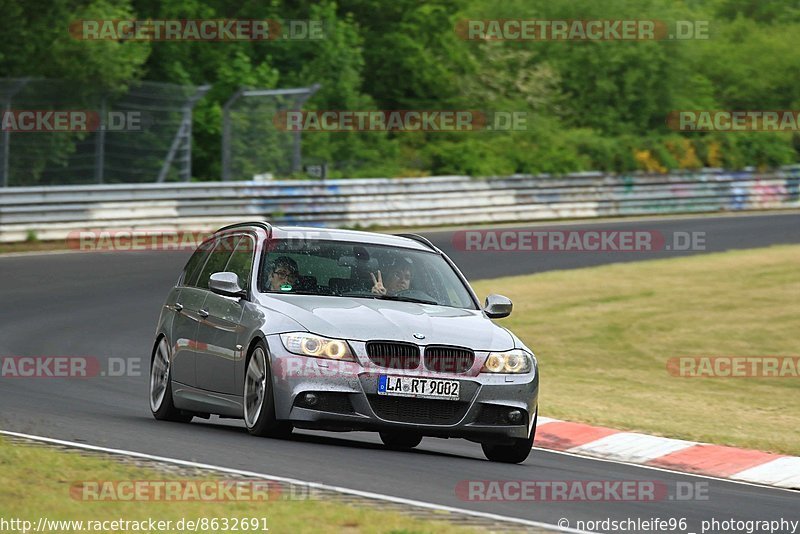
[
  {"x": 516, "y": 453},
  {"x": 260, "y": 419},
  {"x": 400, "y": 441},
  {"x": 163, "y": 408}
]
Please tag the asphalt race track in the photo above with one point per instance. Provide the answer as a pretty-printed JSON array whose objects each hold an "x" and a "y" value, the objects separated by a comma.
[
  {"x": 106, "y": 304},
  {"x": 719, "y": 234}
]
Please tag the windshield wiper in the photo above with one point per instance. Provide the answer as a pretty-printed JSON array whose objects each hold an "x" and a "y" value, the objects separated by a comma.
[
  {"x": 405, "y": 299},
  {"x": 370, "y": 295},
  {"x": 273, "y": 292}
]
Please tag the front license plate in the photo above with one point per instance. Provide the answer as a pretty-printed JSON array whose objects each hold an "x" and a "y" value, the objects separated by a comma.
[{"x": 410, "y": 386}]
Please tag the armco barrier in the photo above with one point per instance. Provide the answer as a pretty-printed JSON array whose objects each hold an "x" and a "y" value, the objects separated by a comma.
[{"x": 54, "y": 212}]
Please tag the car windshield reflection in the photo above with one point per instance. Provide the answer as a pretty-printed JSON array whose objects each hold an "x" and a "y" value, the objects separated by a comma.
[{"x": 358, "y": 270}]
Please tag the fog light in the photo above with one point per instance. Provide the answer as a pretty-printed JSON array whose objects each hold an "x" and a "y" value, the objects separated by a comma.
[
  {"x": 515, "y": 416},
  {"x": 310, "y": 399}
]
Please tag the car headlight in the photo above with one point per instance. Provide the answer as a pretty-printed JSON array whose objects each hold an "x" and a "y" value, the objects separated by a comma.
[
  {"x": 315, "y": 346},
  {"x": 515, "y": 361}
]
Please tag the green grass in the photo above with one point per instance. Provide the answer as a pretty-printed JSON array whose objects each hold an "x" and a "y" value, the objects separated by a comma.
[
  {"x": 35, "y": 482},
  {"x": 32, "y": 246},
  {"x": 603, "y": 337}
]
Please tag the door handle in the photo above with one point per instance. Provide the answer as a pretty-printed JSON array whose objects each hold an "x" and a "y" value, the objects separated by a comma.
[
  {"x": 203, "y": 313},
  {"x": 178, "y": 307}
]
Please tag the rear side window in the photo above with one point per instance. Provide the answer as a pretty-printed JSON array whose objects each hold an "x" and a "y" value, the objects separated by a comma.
[
  {"x": 241, "y": 261},
  {"x": 218, "y": 259},
  {"x": 196, "y": 262}
]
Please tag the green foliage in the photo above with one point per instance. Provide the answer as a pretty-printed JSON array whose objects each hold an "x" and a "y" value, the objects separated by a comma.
[
  {"x": 590, "y": 105},
  {"x": 37, "y": 43}
]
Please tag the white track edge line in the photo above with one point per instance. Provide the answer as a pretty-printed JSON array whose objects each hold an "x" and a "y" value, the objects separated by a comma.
[
  {"x": 317, "y": 485},
  {"x": 27, "y": 253}
]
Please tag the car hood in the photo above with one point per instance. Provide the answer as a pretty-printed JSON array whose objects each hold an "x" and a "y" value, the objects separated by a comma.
[{"x": 364, "y": 319}]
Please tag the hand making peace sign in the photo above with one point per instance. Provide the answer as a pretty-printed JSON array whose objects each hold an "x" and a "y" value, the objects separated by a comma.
[{"x": 377, "y": 286}]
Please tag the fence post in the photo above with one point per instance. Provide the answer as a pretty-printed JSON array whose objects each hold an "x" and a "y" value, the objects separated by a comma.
[
  {"x": 226, "y": 135},
  {"x": 302, "y": 95},
  {"x": 297, "y": 152},
  {"x": 181, "y": 136},
  {"x": 100, "y": 144},
  {"x": 6, "y": 145},
  {"x": 186, "y": 168},
  {"x": 6, "y": 133}
]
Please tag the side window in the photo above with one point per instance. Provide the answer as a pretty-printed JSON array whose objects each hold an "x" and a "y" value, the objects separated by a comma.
[
  {"x": 241, "y": 261},
  {"x": 192, "y": 269},
  {"x": 217, "y": 260}
]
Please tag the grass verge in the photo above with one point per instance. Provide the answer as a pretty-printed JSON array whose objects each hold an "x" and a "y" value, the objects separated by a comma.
[
  {"x": 32, "y": 246},
  {"x": 36, "y": 482},
  {"x": 603, "y": 336}
]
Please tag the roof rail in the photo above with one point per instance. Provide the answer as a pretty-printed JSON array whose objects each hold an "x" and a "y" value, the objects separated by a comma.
[
  {"x": 261, "y": 224},
  {"x": 418, "y": 238}
]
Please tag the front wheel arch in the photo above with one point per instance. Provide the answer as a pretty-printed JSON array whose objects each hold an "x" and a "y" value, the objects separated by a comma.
[{"x": 265, "y": 424}]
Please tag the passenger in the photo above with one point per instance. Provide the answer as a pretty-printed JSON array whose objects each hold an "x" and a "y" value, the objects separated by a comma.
[
  {"x": 398, "y": 278},
  {"x": 283, "y": 272}
]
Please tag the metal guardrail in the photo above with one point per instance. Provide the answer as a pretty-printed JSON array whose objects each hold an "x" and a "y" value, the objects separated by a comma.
[{"x": 54, "y": 212}]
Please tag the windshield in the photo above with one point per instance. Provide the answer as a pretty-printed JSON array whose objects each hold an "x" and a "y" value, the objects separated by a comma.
[{"x": 338, "y": 268}]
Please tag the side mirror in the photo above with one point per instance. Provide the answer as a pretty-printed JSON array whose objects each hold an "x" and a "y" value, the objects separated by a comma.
[
  {"x": 226, "y": 284},
  {"x": 497, "y": 306}
]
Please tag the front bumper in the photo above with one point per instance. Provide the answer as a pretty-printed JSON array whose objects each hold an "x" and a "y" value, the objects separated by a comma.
[{"x": 347, "y": 398}]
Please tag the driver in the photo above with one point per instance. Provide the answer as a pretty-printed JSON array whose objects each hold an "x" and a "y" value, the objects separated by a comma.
[
  {"x": 398, "y": 278},
  {"x": 284, "y": 271}
]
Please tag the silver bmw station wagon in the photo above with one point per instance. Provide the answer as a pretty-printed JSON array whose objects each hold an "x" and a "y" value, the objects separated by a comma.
[{"x": 291, "y": 327}]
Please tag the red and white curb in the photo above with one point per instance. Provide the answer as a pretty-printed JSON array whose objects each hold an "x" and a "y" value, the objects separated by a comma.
[{"x": 747, "y": 465}]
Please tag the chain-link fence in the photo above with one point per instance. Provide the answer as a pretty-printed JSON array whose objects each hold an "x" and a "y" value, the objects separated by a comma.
[
  {"x": 254, "y": 142},
  {"x": 56, "y": 132}
]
